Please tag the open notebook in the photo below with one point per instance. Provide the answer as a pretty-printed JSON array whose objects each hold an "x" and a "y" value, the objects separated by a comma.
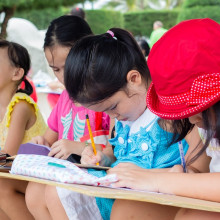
[{"x": 57, "y": 170}]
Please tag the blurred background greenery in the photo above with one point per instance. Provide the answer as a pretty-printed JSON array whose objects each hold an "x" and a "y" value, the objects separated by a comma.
[{"x": 137, "y": 16}]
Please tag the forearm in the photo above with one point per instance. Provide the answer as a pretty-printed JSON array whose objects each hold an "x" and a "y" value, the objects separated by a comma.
[{"x": 196, "y": 185}]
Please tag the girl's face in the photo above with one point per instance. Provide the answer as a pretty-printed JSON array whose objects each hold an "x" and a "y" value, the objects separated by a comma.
[
  {"x": 197, "y": 120},
  {"x": 125, "y": 105},
  {"x": 56, "y": 58},
  {"x": 6, "y": 68}
]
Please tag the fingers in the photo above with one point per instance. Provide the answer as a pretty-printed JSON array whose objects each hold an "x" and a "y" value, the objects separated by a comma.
[
  {"x": 39, "y": 140},
  {"x": 176, "y": 169},
  {"x": 54, "y": 151},
  {"x": 88, "y": 156}
]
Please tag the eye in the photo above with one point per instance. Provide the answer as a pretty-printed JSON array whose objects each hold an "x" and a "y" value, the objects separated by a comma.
[
  {"x": 56, "y": 70},
  {"x": 114, "y": 107}
]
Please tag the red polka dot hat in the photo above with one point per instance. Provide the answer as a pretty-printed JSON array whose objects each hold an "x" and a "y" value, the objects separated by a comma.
[{"x": 185, "y": 70}]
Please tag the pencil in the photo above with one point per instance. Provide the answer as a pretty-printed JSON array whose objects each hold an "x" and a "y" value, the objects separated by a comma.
[
  {"x": 182, "y": 156},
  {"x": 91, "y": 137}
]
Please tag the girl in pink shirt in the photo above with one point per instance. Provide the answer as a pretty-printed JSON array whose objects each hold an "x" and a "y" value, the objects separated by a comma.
[{"x": 66, "y": 124}]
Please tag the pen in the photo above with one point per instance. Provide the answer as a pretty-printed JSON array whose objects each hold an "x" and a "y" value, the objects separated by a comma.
[
  {"x": 56, "y": 165},
  {"x": 91, "y": 137},
  {"x": 183, "y": 162}
]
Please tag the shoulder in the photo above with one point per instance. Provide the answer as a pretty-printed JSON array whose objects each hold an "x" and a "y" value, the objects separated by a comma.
[
  {"x": 21, "y": 105},
  {"x": 64, "y": 98}
]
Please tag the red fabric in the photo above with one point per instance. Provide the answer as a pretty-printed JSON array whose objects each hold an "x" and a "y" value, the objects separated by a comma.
[
  {"x": 34, "y": 94},
  {"x": 98, "y": 121},
  {"x": 52, "y": 99},
  {"x": 185, "y": 66}
]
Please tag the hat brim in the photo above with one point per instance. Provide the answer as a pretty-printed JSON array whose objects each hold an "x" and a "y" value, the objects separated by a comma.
[{"x": 177, "y": 111}]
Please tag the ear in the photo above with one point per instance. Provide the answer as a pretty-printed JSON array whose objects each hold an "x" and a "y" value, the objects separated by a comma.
[
  {"x": 18, "y": 74},
  {"x": 134, "y": 78}
]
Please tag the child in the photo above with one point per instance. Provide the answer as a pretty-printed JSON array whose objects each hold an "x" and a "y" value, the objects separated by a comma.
[
  {"x": 186, "y": 84},
  {"x": 114, "y": 79},
  {"x": 67, "y": 120},
  {"x": 144, "y": 47},
  {"x": 20, "y": 120}
]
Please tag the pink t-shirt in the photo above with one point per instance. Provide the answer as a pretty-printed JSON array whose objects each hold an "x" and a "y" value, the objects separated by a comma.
[{"x": 69, "y": 121}]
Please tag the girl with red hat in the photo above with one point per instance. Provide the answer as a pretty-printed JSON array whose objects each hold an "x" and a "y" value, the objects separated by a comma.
[{"x": 185, "y": 70}]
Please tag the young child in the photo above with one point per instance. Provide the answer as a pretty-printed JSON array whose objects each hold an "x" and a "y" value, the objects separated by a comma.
[
  {"x": 67, "y": 122},
  {"x": 186, "y": 84},
  {"x": 20, "y": 120},
  {"x": 114, "y": 79}
]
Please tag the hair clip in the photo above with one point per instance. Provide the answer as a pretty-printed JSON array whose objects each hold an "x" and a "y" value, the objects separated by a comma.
[{"x": 112, "y": 34}]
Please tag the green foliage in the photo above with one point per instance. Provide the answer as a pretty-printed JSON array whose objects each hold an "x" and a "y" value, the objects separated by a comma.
[
  {"x": 11, "y": 3},
  {"x": 141, "y": 23},
  {"x": 193, "y": 3},
  {"x": 41, "y": 18},
  {"x": 40, "y": 4},
  {"x": 200, "y": 9},
  {"x": 101, "y": 20},
  {"x": 200, "y": 12}
]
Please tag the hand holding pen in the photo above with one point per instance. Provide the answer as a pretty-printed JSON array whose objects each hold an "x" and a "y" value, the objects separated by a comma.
[{"x": 91, "y": 137}]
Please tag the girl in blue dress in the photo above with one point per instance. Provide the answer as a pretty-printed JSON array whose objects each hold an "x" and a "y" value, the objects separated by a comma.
[{"x": 114, "y": 79}]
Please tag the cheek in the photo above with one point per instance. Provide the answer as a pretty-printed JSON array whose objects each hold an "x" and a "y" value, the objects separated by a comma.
[{"x": 60, "y": 76}]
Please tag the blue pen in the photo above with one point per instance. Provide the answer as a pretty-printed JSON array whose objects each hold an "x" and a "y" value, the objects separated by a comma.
[
  {"x": 56, "y": 165},
  {"x": 183, "y": 162}
]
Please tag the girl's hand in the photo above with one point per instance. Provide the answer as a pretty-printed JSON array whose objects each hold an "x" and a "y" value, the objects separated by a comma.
[
  {"x": 135, "y": 178},
  {"x": 40, "y": 140},
  {"x": 63, "y": 148},
  {"x": 176, "y": 169},
  {"x": 88, "y": 157}
]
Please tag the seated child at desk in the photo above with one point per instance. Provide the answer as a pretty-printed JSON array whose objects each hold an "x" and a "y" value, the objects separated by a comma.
[
  {"x": 187, "y": 89},
  {"x": 119, "y": 90},
  {"x": 67, "y": 121},
  {"x": 20, "y": 120}
]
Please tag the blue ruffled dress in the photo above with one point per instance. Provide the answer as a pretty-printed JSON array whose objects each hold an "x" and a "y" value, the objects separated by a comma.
[{"x": 143, "y": 143}]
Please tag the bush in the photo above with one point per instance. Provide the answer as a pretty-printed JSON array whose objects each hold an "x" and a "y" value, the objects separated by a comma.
[
  {"x": 141, "y": 23},
  {"x": 41, "y": 18},
  {"x": 193, "y": 3},
  {"x": 200, "y": 9},
  {"x": 102, "y": 20}
]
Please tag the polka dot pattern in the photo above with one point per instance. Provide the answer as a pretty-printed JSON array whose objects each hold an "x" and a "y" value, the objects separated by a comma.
[{"x": 204, "y": 92}]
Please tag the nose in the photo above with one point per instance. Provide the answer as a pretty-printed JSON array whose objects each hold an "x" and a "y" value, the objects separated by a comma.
[{"x": 112, "y": 115}]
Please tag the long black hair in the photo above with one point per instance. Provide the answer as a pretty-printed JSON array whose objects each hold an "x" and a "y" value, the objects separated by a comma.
[
  {"x": 19, "y": 57},
  {"x": 97, "y": 66},
  {"x": 66, "y": 30},
  {"x": 211, "y": 123}
]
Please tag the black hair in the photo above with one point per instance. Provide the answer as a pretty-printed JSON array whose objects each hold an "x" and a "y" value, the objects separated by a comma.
[
  {"x": 19, "y": 57},
  {"x": 211, "y": 127},
  {"x": 78, "y": 12},
  {"x": 144, "y": 46},
  {"x": 97, "y": 66},
  {"x": 66, "y": 30}
]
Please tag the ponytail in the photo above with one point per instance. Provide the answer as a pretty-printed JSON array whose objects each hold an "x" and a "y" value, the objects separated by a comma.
[{"x": 28, "y": 89}]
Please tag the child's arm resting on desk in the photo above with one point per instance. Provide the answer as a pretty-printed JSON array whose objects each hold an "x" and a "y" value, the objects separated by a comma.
[
  {"x": 105, "y": 157},
  {"x": 195, "y": 185}
]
